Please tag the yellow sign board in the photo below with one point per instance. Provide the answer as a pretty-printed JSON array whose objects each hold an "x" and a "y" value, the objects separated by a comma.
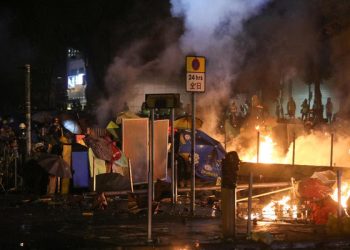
[{"x": 195, "y": 64}]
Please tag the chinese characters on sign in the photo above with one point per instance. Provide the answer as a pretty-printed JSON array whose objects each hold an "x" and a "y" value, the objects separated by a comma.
[{"x": 195, "y": 78}]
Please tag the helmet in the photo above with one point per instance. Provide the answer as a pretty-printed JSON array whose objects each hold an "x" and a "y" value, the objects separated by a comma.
[{"x": 22, "y": 126}]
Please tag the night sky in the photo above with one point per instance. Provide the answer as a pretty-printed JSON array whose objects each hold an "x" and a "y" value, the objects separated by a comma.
[
  {"x": 308, "y": 38},
  {"x": 39, "y": 33}
]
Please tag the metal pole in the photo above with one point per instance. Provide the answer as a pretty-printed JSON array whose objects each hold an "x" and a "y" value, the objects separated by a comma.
[
  {"x": 93, "y": 173},
  {"x": 175, "y": 183},
  {"x": 16, "y": 172},
  {"x": 172, "y": 156},
  {"x": 150, "y": 180},
  {"x": 331, "y": 160},
  {"x": 228, "y": 212},
  {"x": 234, "y": 204},
  {"x": 130, "y": 176},
  {"x": 258, "y": 146},
  {"x": 239, "y": 187},
  {"x": 58, "y": 179},
  {"x": 292, "y": 196},
  {"x": 293, "y": 156},
  {"x": 28, "y": 110},
  {"x": 225, "y": 138},
  {"x": 265, "y": 194},
  {"x": 340, "y": 208},
  {"x": 250, "y": 199},
  {"x": 193, "y": 144}
]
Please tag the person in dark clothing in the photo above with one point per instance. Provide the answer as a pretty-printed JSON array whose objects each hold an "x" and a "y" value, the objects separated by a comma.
[
  {"x": 55, "y": 134},
  {"x": 291, "y": 107},
  {"x": 304, "y": 110},
  {"x": 329, "y": 110}
]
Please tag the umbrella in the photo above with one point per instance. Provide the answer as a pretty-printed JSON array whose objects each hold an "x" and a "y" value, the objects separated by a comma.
[
  {"x": 313, "y": 189},
  {"x": 55, "y": 165},
  {"x": 185, "y": 122},
  {"x": 112, "y": 129},
  {"x": 72, "y": 126},
  {"x": 209, "y": 153},
  {"x": 100, "y": 147},
  {"x": 125, "y": 115}
]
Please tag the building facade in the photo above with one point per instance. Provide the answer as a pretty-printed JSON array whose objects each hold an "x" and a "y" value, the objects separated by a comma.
[{"x": 76, "y": 80}]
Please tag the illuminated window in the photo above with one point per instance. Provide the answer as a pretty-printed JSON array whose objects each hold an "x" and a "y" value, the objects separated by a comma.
[{"x": 75, "y": 80}]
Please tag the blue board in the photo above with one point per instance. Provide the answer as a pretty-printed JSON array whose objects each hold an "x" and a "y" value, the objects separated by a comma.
[
  {"x": 209, "y": 154},
  {"x": 80, "y": 167}
]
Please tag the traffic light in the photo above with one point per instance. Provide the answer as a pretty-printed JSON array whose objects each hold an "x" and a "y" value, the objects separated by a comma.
[{"x": 230, "y": 167}]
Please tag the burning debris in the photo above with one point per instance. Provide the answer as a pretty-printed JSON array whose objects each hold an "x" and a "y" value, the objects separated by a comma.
[{"x": 280, "y": 209}]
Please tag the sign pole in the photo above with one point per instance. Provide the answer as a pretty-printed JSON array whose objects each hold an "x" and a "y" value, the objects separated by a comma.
[
  {"x": 172, "y": 157},
  {"x": 150, "y": 180},
  {"x": 193, "y": 144},
  {"x": 153, "y": 101},
  {"x": 28, "y": 110},
  {"x": 195, "y": 82}
]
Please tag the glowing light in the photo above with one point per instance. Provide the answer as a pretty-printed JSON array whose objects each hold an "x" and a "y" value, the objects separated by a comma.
[
  {"x": 253, "y": 216},
  {"x": 196, "y": 244},
  {"x": 266, "y": 151},
  {"x": 186, "y": 247},
  {"x": 279, "y": 209},
  {"x": 345, "y": 194}
]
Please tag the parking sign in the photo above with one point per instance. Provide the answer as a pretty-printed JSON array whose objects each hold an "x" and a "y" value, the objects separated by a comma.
[{"x": 195, "y": 77}]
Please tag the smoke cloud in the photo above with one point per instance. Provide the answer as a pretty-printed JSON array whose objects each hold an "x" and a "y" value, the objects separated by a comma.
[
  {"x": 210, "y": 31},
  {"x": 145, "y": 62}
]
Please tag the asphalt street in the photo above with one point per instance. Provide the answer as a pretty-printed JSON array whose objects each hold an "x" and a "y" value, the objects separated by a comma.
[{"x": 77, "y": 222}]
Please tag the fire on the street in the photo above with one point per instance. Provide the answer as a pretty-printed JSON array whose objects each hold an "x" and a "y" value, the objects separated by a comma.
[
  {"x": 266, "y": 151},
  {"x": 280, "y": 209},
  {"x": 345, "y": 194}
]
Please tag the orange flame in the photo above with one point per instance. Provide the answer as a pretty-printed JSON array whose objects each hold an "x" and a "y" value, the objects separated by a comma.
[
  {"x": 345, "y": 194},
  {"x": 266, "y": 151},
  {"x": 279, "y": 209}
]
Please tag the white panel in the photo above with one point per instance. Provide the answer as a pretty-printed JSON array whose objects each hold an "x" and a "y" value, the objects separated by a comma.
[
  {"x": 160, "y": 149},
  {"x": 135, "y": 141}
]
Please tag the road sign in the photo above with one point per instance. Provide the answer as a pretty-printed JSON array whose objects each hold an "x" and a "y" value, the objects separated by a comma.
[
  {"x": 160, "y": 101},
  {"x": 195, "y": 77}
]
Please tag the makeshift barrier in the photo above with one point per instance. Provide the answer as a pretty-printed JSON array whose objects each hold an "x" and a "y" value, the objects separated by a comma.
[
  {"x": 135, "y": 147},
  {"x": 80, "y": 167}
]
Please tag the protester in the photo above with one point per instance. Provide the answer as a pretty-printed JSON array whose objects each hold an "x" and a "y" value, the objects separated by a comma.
[
  {"x": 291, "y": 107},
  {"x": 278, "y": 110},
  {"x": 55, "y": 134},
  {"x": 233, "y": 114},
  {"x": 329, "y": 110},
  {"x": 126, "y": 107},
  {"x": 304, "y": 110}
]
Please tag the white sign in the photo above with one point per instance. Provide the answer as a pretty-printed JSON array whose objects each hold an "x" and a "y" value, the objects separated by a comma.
[{"x": 195, "y": 82}]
